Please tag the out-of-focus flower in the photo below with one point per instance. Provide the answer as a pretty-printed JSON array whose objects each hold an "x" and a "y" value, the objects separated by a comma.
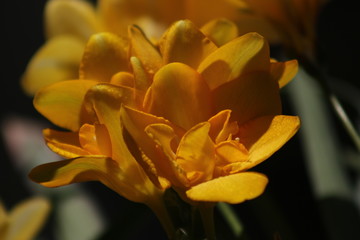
[
  {"x": 293, "y": 22},
  {"x": 70, "y": 23},
  {"x": 25, "y": 220}
]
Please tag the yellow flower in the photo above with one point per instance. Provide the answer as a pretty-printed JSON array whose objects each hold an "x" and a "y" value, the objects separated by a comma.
[
  {"x": 290, "y": 22},
  {"x": 199, "y": 113},
  {"x": 70, "y": 23},
  {"x": 210, "y": 113},
  {"x": 25, "y": 220}
]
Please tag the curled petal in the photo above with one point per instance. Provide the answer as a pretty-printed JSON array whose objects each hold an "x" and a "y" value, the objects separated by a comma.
[
  {"x": 242, "y": 55},
  {"x": 76, "y": 18},
  {"x": 61, "y": 102},
  {"x": 131, "y": 183},
  {"x": 221, "y": 128},
  {"x": 184, "y": 42},
  {"x": 231, "y": 189},
  {"x": 105, "y": 54},
  {"x": 65, "y": 144},
  {"x": 283, "y": 72},
  {"x": 220, "y": 31},
  {"x": 265, "y": 135},
  {"x": 177, "y": 93}
]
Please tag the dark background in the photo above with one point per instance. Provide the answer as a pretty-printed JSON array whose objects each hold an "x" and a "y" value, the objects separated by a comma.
[{"x": 288, "y": 209}]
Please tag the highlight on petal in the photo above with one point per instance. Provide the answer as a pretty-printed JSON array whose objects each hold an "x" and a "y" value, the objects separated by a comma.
[
  {"x": 184, "y": 42},
  {"x": 52, "y": 64},
  {"x": 61, "y": 102},
  {"x": 129, "y": 183},
  {"x": 179, "y": 94},
  {"x": 265, "y": 135},
  {"x": 144, "y": 50},
  {"x": 283, "y": 72},
  {"x": 77, "y": 18},
  {"x": 27, "y": 218},
  {"x": 249, "y": 96},
  {"x": 220, "y": 31},
  {"x": 231, "y": 189},
  {"x": 245, "y": 54},
  {"x": 105, "y": 54}
]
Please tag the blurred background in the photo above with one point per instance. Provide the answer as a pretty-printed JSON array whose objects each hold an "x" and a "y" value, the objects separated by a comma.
[{"x": 291, "y": 207}]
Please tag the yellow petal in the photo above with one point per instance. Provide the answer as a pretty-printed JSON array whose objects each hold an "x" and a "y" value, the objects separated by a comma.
[
  {"x": 141, "y": 77},
  {"x": 27, "y": 218},
  {"x": 283, "y": 72},
  {"x": 144, "y": 50},
  {"x": 265, "y": 135},
  {"x": 232, "y": 189},
  {"x": 129, "y": 183},
  {"x": 183, "y": 42},
  {"x": 221, "y": 128},
  {"x": 232, "y": 151},
  {"x": 65, "y": 144},
  {"x": 124, "y": 79},
  {"x": 252, "y": 95},
  {"x": 220, "y": 31},
  {"x": 180, "y": 95},
  {"x": 95, "y": 139},
  {"x": 52, "y": 64},
  {"x": 77, "y": 18},
  {"x": 240, "y": 56},
  {"x": 196, "y": 152},
  {"x": 105, "y": 54},
  {"x": 61, "y": 102}
]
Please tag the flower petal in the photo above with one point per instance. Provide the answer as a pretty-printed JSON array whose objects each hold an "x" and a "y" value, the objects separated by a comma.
[
  {"x": 52, "y": 64},
  {"x": 283, "y": 72},
  {"x": 77, "y": 18},
  {"x": 184, "y": 42},
  {"x": 180, "y": 95},
  {"x": 61, "y": 102},
  {"x": 249, "y": 96},
  {"x": 105, "y": 54},
  {"x": 129, "y": 183},
  {"x": 144, "y": 50},
  {"x": 27, "y": 218},
  {"x": 220, "y": 31},
  {"x": 65, "y": 144},
  {"x": 265, "y": 135},
  {"x": 242, "y": 55},
  {"x": 231, "y": 189},
  {"x": 221, "y": 128},
  {"x": 196, "y": 152}
]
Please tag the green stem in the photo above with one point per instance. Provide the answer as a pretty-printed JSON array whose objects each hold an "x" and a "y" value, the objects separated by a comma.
[
  {"x": 207, "y": 216},
  {"x": 231, "y": 218}
]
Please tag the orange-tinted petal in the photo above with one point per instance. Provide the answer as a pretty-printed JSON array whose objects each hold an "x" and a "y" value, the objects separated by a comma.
[
  {"x": 143, "y": 49},
  {"x": 196, "y": 153},
  {"x": 265, "y": 135},
  {"x": 77, "y": 18},
  {"x": 180, "y": 95},
  {"x": 242, "y": 55},
  {"x": 184, "y": 42},
  {"x": 61, "y": 102},
  {"x": 220, "y": 31},
  {"x": 128, "y": 183},
  {"x": 52, "y": 64},
  {"x": 283, "y": 72},
  {"x": 105, "y": 54},
  {"x": 95, "y": 139},
  {"x": 65, "y": 144},
  {"x": 232, "y": 189},
  {"x": 232, "y": 151},
  {"x": 221, "y": 128},
  {"x": 250, "y": 96},
  {"x": 124, "y": 79}
]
